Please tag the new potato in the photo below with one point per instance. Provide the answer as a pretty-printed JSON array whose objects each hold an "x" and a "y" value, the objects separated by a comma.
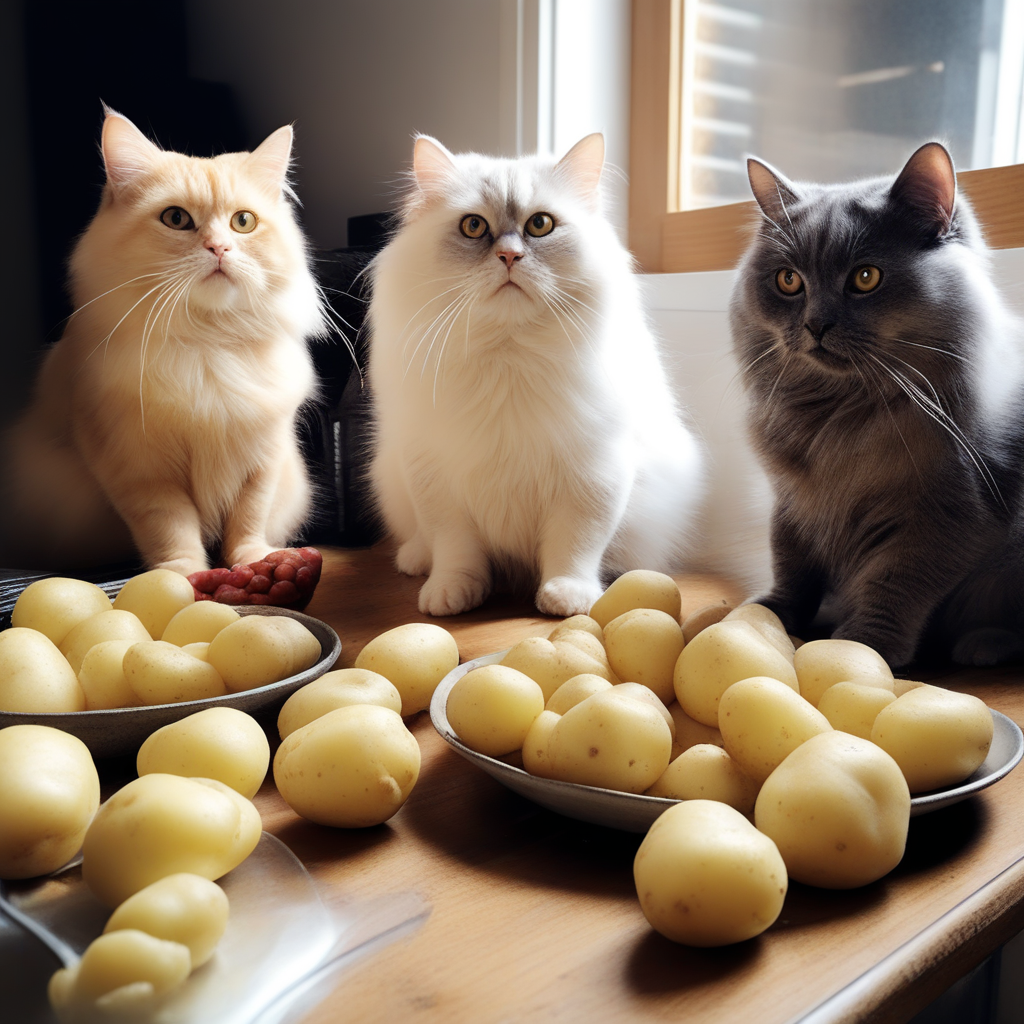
[
  {"x": 160, "y": 673},
  {"x": 707, "y": 772},
  {"x": 257, "y": 650},
  {"x": 160, "y": 825},
  {"x": 706, "y": 877},
  {"x": 575, "y": 690},
  {"x": 853, "y": 707},
  {"x": 115, "y": 624},
  {"x": 554, "y": 662},
  {"x": 49, "y": 795},
  {"x": 838, "y": 808},
  {"x": 762, "y": 721},
  {"x": 351, "y": 768},
  {"x": 610, "y": 740},
  {"x": 217, "y": 743},
  {"x": 938, "y": 737},
  {"x": 156, "y": 597},
  {"x": 820, "y": 664},
  {"x": 415, "y": 658},
  {"x": 640, "y": 588},
  {"x": 720, "y": 655},
  {"x": 102, "y": 677},
  {"x": 181, "y": 908},
  {"x": 198, "y": 623},
  {"x": 54, "y": 606},
  {"x": 491, "y": 709},
  {"x": 34, "y": 675},
  {"x": 333, "y": 690},
  {"x": 643, "y": 646}
]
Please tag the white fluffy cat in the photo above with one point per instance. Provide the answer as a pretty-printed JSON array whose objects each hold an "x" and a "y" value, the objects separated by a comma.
[
  {"x": 522, "y": 412},
  {"x": 165, "y": 417}
]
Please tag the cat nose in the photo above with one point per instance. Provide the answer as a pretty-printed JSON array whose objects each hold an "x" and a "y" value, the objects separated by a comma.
[
  {"x": 217, "y": 247},
  {"x": 509, "y": 256},
  {"x": 817, "y": 330}
]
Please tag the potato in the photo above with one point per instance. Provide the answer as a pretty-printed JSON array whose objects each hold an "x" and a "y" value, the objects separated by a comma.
[
  {"x": 200, "y": 649},
  {"x": 492, "y": 708},
  {"x": 643, "y": 646},
  {"x": 938, "y": 737},
  {"x": 768, "y": 624},
  {"x": 333, "y": 690},
  {"x": 34, "y": 676},
  {"x": 198, "y": 623},
  {"x": 49, "y": 794},
  {"x": 181, "y": 908},
  {"x": 102, "y": 677},
  {"x": 156, "y": 597},
  {"x": 415, "y": 658},
  {"x": 852, "y": 707},
  {"x": 610, "y": 740},
  {"x": 644, "y": 693},
  {"x": 160, "y": 673},
  {"x": 588, "y": 644},
  {"x": 121, "y": 976},
  {"x": 706, "y": 877},
  {"x": 689, "y": 732},
  {"x": 217, "y": 743},
  {"x": 261, "y": 649},
  {"x": 704, "y": 617},
  {"x": 707, "y": 772},
  {"x": 820, "y": 664},
  {"x": 584, "y": 622},
  {"x": 575, "y": 690},
  {"x": 110, "y": 625},
  {"x": 838, "y": 809},
  {"x": 640, "y": 588},
  {"x": 551, "y": 663},
  {"x": 160, "y": 825},
  {"x": 56, "y": 605},
  {"x": 537, "y": 743},
  {"x": 351, "y": 768},
  {"x": 719, "y": 656},
  {"x": 762, "y": 721}
]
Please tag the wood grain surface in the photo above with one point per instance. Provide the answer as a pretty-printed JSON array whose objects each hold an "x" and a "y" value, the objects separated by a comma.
[{"x": 533, "y": 917}]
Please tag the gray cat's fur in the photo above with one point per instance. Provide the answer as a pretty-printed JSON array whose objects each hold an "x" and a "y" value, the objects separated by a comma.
[{"x": 891, "y": 422}]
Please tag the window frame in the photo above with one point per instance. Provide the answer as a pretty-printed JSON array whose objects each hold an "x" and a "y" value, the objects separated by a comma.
[{"x": 668, "y": 240}]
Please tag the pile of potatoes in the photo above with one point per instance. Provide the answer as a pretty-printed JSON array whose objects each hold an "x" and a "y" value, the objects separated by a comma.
[
  {"x": 70, "y": 648},
  {"x": 793, "y": 760},
  {"x": 151, "y": 852}
]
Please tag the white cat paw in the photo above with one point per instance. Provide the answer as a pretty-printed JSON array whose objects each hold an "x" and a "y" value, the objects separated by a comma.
[
  {"x": 452, "y": 592},
  {"x": 413, "y": 558},
  {"x": 563, "y": 595},
  {"x": 186, "y": 566},
  {"x": 246, "y": 554}
]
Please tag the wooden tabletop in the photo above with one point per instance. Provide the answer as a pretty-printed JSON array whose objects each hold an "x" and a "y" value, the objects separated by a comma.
[{"x": 530, "y": 916}]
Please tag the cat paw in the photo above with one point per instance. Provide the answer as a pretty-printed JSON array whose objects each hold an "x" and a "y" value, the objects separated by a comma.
[
  {"x": 989, "y": 646},
  {"x": 563, "y": 595},
  {"x": 452, "y": 593},
  {"x": 185, "y": 566},
  {"x": 413, "y": 558}
]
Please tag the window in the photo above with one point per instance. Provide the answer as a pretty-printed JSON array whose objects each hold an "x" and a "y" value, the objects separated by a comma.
[{"x": 826, "y": 91}]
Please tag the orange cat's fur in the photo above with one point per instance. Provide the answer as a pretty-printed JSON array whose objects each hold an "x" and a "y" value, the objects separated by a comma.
[{"x": 165, "y": 417}]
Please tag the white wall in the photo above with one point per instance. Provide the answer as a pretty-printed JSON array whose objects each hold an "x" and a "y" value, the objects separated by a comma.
[{"x": 359, "y": 78}]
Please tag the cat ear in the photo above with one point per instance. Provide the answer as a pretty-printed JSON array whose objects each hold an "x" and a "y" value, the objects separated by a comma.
[
  {"x": 272, "y": 158},
  {"x": 583, "y": 164},
  {"x": 127, "y": 153},
  {"x": 432, "y": 164},
  {"x": 771, "y": 189},
  {"x": 927, "y": 184}
]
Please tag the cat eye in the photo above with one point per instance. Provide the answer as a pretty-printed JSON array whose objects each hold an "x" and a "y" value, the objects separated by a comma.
[
  {"x": 540, "y": 224},
  {"x": 789, "y": 282},
  {"x": 473, "y": 226},
  {"x": 866, "y": 279},
  {"x": 243, "y": 221},
  {"x": 177, "y": 218}
]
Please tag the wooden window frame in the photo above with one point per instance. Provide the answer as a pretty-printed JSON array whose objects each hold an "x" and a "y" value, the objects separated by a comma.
[{"x": 667, "y": 240}]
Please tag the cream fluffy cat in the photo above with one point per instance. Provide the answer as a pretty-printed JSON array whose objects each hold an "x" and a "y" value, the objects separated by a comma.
[
  {"x": 165, "y": 417},
  {"x": 522, "y": 412}
]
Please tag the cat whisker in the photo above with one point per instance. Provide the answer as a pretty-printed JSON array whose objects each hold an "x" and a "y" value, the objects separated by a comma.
[
  {"x": 449, "y": 322},
  {"x": 110, "y": 291},
  {"x": 423, "y": 337},
  {"x": 444, "y": 344},
  {"x": 896, "y": 427},
  {"x": 148, "y": 327},
  {"x": 932, "y": 348},
  {"x": 412, "y": 319},
  {"x": 939, "y": 416},
  {"x": 106, "y": 340},
  {"x": 555, "y": 304},
  {"x": 568, "y": 337}
]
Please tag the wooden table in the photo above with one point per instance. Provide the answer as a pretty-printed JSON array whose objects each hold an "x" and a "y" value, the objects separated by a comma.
[{"x": 534, "y": 917}]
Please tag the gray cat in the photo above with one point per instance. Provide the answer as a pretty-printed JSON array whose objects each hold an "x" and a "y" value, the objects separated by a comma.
[{"x": 886, "y": 379}]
